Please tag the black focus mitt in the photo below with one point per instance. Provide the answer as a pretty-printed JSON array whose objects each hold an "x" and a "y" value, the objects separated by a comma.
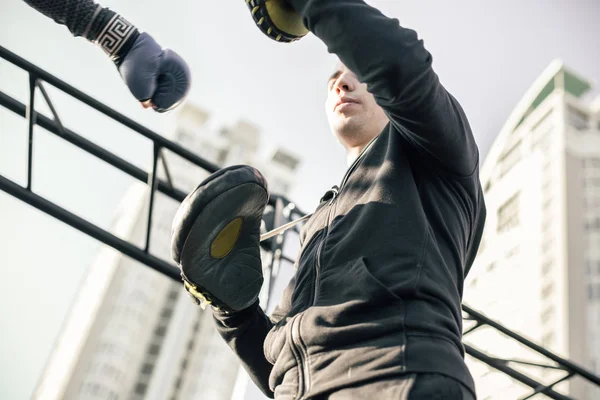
[{"x": 215, "y": 238}]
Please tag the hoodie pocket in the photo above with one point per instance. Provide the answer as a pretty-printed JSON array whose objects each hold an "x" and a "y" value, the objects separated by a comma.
[
  {"x": 353, "y": 284},
  {"x": 353, "y": 308}
]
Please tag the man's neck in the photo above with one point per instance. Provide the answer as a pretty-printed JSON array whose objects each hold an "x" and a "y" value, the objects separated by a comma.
[{"x": 352, "y": 154}]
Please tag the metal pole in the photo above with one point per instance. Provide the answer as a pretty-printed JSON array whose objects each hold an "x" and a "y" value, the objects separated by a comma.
[
  {"x": 152, "y": 184},
  {"x": 30, "y": 115}
]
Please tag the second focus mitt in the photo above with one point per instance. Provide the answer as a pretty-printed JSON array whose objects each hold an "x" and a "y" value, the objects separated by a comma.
[{"x": 215, "y": 238}]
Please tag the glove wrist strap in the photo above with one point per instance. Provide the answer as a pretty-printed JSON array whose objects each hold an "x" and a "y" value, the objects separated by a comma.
[{"x": 113, "y": 33}]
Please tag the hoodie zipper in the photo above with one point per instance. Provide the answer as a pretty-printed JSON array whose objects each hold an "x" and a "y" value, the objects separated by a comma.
[
  {"x": 335, "y": 193},
  {"x": 296, "y": 339},
  {"x": 302, "y": 354}
]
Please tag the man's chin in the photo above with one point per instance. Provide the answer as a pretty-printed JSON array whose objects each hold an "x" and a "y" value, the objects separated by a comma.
[{"x": 347, "y": 126}]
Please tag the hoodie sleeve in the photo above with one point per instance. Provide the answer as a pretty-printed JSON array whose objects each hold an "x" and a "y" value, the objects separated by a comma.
[
  {"x": 245, "y": 332},
  {"x": 397, "y": 69}
]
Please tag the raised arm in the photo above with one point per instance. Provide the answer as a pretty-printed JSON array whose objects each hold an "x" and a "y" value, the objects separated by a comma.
[
  {"x": 397, "y": 69},
  {"x": 157, "y": 77}
]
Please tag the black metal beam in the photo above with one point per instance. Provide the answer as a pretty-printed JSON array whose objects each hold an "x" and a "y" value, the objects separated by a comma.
[
  {"x": 90, "y": 147},
  {"x": 502, "y": 367},
  {"x": 30, "y": 115},
  {"x": 88, "y": 228},
  {"x": 95, "y": 104},
  {"x": 164, "y": 187},
  {"x": 567, "y": 365}
]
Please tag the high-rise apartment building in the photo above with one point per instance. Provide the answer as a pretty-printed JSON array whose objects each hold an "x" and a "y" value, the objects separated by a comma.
[
  {"x": 538, "y": 267},
  {"x": 134, "y": 334}
]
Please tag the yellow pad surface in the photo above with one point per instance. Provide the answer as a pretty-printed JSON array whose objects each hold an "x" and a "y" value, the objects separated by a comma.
[
  {"x": 285, "y": 17},
  {"x": 226, "y": 239}
]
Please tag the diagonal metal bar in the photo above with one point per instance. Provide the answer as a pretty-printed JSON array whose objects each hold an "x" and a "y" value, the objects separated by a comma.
[
  {"x": 92, "y": 148},
  {"x": 567, "y": 365},
  {"x": 471, "y": 329},
  {"x": 57, "y": 121},
  {"x": 500, "y": 365},
  {"x": 532, "y": 364},
  {"x": 541, "y": 389},
  {"x": 88, "y": 228}
]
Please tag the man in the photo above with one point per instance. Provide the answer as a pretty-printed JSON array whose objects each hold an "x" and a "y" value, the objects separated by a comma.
[
  {"x": 374, "y": 310},
  {"x": 158, "y": 78}
]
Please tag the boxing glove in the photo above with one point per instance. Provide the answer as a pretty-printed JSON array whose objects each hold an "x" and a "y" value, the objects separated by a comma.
[
  {"x": 154, "y": 74},
  {"x": 157, "y": 77}
]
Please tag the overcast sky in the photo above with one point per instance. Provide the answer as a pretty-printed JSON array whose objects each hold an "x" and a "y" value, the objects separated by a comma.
[{"x": 486, "y": 53}]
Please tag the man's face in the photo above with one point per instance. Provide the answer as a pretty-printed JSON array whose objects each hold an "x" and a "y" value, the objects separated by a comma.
[{"x": 351, "y": 110}]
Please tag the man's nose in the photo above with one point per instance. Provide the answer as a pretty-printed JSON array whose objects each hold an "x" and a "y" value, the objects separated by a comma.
[{"x": 344, "y": 84}]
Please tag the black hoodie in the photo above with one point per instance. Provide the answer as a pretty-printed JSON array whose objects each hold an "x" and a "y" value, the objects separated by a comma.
[{"x": 379, "y": 281}]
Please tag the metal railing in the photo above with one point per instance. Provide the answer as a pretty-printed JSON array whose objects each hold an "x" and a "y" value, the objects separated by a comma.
[
  {"x": 555, "y": 362},
  {"x": 283, "y": 211},
  {"x": 37, "y": 78}
]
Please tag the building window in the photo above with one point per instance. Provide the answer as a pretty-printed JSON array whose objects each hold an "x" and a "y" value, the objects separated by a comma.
[
  {"x": 548, "y": 339},
  {"x": 160, "y": 331},
  {"x": 547, "y": 290},
  {"x": 593, "y": 291},
  {"x": 547, "y": 266},
  {"x": 174, "y": 294},
  {"x": 591, "y": 182},
  {"x": 509, "y": 158},
  {"x": 512, "y": 252},
  {"x": 577, "y": 118},
  {"x": 154, "y": 349},
  {"x": 140, "y": 388},
  {"x": 147, "y": 369},
  {"x": 547, "y": 245},
  {"x": 541, "y": 120},
  {"x": 593, "y": 225},
  {"x": 547, "y": 315},
  {"x": 591, "y": 163},
  {"x": 508, "y": 214}
]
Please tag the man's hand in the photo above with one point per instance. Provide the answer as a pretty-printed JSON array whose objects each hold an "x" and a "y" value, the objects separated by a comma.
[{"x": 158, "y": 78}]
